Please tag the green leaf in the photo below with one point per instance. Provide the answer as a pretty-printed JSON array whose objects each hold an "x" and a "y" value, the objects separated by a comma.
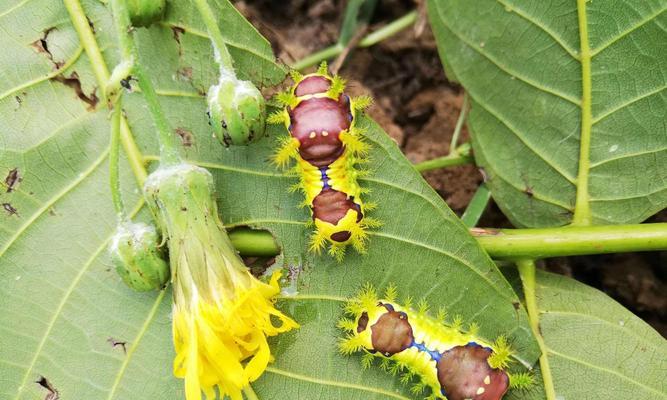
[
  {"x": 66, "y": 316},
  {"x": 595, "y": 348},
  {"x": 526, "y": 69}
]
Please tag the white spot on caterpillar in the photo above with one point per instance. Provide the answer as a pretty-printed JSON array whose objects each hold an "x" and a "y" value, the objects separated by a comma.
[
  {"x": 325, "y": 133},
  {"x": 487, "y": 380},
  {"x": 312, "y": 135},
  {"x": 480, "y": 390}
]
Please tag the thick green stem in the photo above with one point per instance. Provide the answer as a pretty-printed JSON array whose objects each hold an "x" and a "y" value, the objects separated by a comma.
[
  {"x": 527, "y": 273},
  {"x": 517, "y": 243},
  {"x": 369, "y": 40},
  {"x": 462, "y": 155},
  {"x": 570, "y": 241},
  {"x": 222, "y": 54},
  {"x": 168, "y": 148}
]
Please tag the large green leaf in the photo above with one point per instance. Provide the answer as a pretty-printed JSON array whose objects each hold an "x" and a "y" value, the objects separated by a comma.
[
  {"x": 595, "y": 348},
  {"x": 62, "y": 307},
  {"x": 521, "y": 63}
]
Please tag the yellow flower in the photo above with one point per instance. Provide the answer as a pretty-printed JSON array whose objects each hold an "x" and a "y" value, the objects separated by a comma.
[{"x": 222, "y": 314}]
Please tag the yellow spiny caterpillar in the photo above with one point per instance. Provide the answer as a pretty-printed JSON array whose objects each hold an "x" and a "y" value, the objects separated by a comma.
[
  {"x": 327, "y": 145},
  {"x": 454, "y": 363}
]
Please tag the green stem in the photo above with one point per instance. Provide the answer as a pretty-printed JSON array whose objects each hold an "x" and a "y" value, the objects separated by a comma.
[
  {"x": 476, "y": 206},
  {"x": 168, "y": 149},
  {"x": 582, "y": 208},
  {"x": 517, "y": 243},
  {"x": 97, "y": 63},
  {"x": 369, "y": 40},
  {"x": 462, "y": 155},
  {"x": 222, "y": 54},
  {"x": 114, "y": 179},
  {"x": 253, "y": 242},
  {"x": 570, "y": 240},
  {"x": 250, "y": 393},
  {"x": 459, "y": 124},
  {"x": 527, "y": 273}
]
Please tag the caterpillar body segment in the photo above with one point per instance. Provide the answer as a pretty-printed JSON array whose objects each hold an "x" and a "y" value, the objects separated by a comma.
[
  {"x": 455, "y": 364},
  {"x": 327, "y": 147}
]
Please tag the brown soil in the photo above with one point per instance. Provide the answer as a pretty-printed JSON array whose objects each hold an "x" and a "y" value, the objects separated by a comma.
[{"x": 418, "y": 107}]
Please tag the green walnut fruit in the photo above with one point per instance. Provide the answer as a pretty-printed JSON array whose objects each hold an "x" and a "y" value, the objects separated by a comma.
[
  {"x": 236, "y": 109},
  {"x": 138, "y": 258},
  {"x": 145, "y": 12}
]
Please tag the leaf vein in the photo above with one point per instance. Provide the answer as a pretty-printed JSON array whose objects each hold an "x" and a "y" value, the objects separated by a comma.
[{"x": 327, "y": 382}]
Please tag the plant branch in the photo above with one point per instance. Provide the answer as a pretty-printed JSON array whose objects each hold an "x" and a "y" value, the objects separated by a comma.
[
  {"x": 222, "y": 54},
  {"x": 570, "y": 241},
  {"x": 369, "y": 40},
  {"x": 517, "y": 243},
  {"x": 87, "y": 39},
  {"x": 462, "y": 155},
  {"x": 527, "y": 274},
  {"x": 168, "y": 148}
]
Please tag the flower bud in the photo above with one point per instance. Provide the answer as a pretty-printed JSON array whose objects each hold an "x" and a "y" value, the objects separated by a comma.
[
  {"x": 137, "y": 257},
  {"x": 236, "y": 109},
  {"x": 145, "y": 12}
]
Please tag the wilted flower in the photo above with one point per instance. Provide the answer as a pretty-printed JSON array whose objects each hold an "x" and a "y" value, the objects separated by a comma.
[{"x": 222, "y": 315}]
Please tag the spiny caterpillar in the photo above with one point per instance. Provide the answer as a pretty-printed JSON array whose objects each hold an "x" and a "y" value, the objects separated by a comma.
[
  {"x": 455, "y": 364},
  {"x": 327, "y": 145}
]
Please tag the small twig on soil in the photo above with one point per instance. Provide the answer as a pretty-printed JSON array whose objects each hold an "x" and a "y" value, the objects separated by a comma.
[{"x": 369, "y": 40}]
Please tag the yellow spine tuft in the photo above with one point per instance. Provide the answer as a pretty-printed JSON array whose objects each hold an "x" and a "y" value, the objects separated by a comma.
[
  {"x": 276, "y": 117},
  {"x": 287, "y": 150},
  {"x": 287, "y": 98},
  {"x": 347, "y": 324},
  {"x": 521, "y": 381},
  {"x": 337, "y": 87},
  {"x": 502, "y": 353},
  {"x": 422, "y": 307},
  {"x": 367, "y": 360},
  {"x": 296, "y": 76},
  {"x": 351, "y": 344},
  {"x": 323, "y": 69},
  {"x": 361, "y": 103},
  {"x": 391, "y": 292}
]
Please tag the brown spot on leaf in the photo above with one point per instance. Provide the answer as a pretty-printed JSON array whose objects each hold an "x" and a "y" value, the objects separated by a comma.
[
  {"x": 12, "y": 180},
  {"x": 186, "y": 137},
  {"x": 177, "y": 31},
  {"x": 42, "y": 46},
  {"x": 75, "y": 83},
  {"x": 10, "y": 209},
  {"x": 52, "y": 391},
  {"x": 117, "y": 343},
  {"x": 185, "y": 73}
]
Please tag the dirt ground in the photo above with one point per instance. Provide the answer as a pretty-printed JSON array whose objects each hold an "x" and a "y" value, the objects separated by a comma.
[{"x": 418, "y": 107}]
